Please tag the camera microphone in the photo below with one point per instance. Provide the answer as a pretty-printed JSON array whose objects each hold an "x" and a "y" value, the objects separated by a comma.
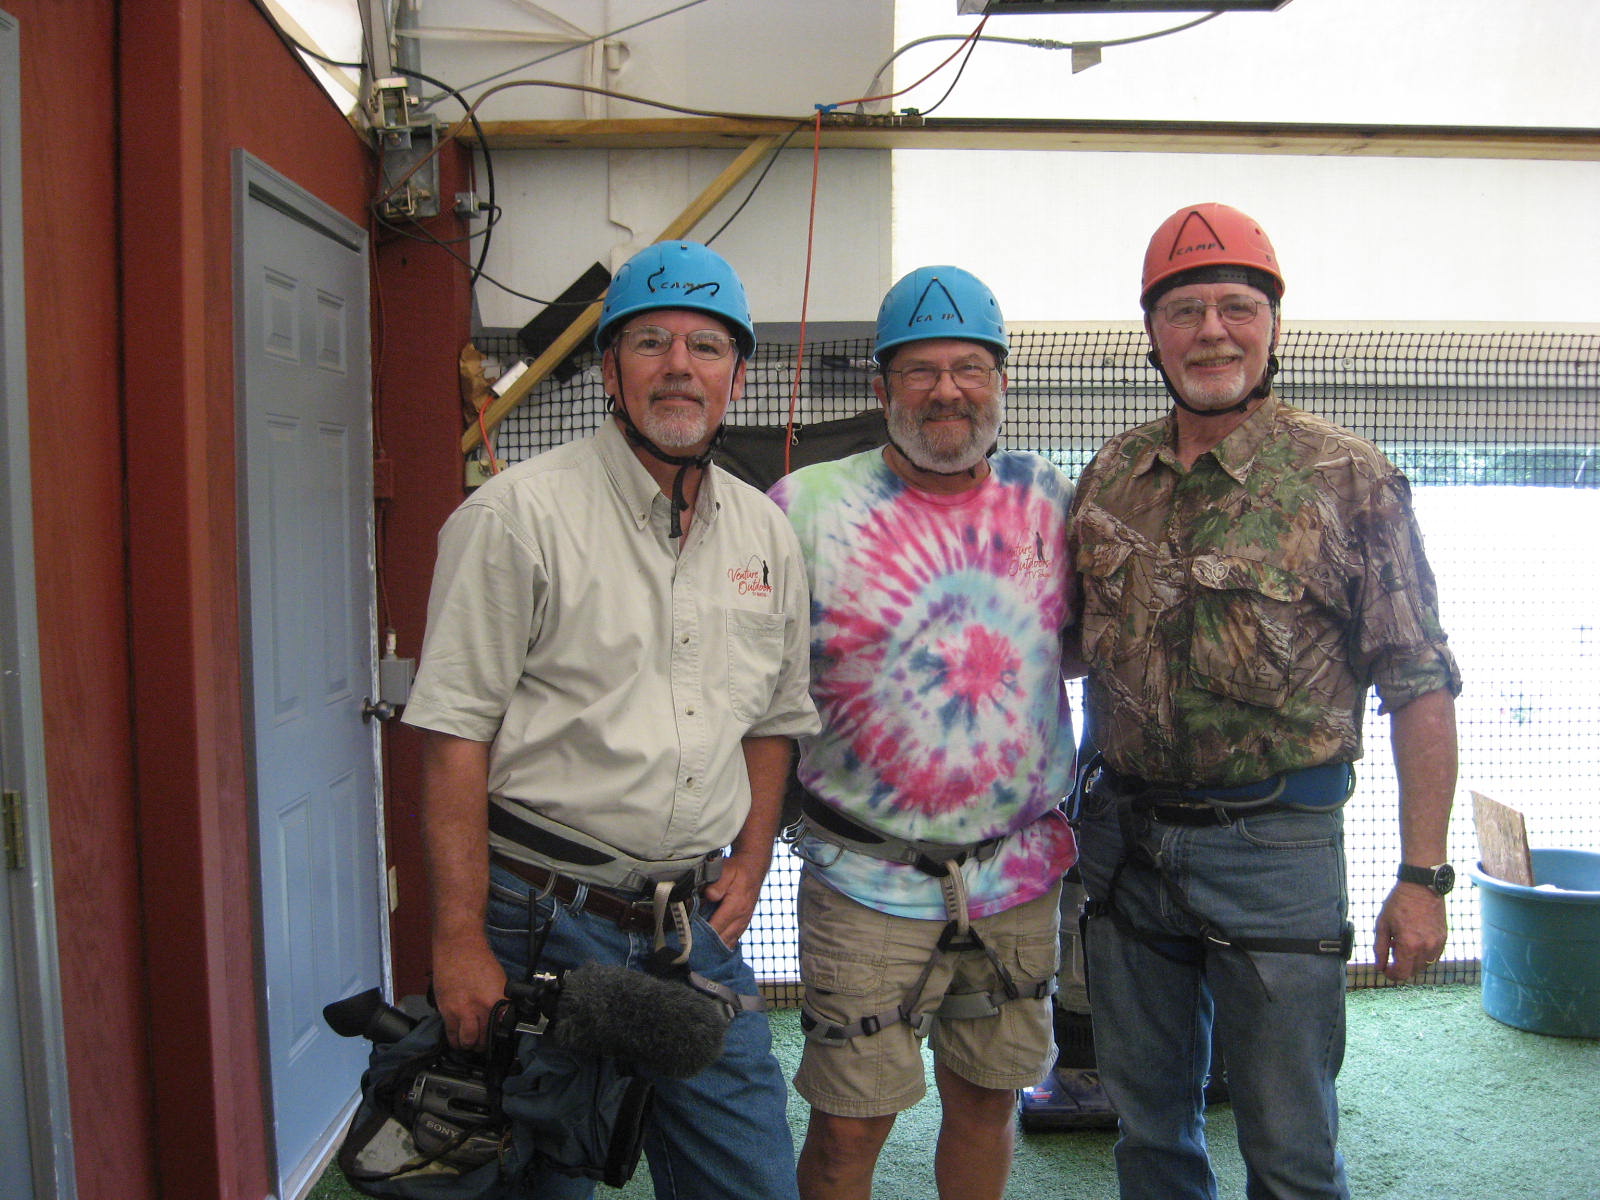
[{"x": 661, "y": 1025}]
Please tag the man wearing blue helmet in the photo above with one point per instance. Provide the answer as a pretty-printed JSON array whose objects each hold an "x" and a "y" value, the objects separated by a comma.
[
  {"x": 933, "y": 842},
  {"x": 614, "y": 667}
]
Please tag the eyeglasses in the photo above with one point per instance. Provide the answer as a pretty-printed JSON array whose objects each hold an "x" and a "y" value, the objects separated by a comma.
[
  {"x": 652, "y": 341},
  {"x": 1234, "y": 310},
  {"x": 969, "y": 377}
]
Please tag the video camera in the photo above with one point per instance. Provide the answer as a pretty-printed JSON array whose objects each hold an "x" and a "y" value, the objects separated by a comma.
[
  {"x": 445, "y": 1102},
  {"x": 566, "y": 1080}
]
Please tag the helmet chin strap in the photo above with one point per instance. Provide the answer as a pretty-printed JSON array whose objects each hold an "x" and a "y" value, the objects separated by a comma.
[
  {"x": 684, "y": 462},
  {"x": 971, "y": 472},
  {"x": 1259, "y": 392}
]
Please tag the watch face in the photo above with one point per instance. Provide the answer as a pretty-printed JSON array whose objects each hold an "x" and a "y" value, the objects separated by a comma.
[{"x": 1444, "y": 879}]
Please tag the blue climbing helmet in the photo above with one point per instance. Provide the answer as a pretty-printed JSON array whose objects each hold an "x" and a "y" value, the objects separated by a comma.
[
  {"x": 939, "y": 302},
  {"x": 677, "y": 275}
]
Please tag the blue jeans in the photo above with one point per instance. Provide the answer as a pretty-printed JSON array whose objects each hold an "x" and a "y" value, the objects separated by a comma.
[
  {"x": 1279, "y": 1015},
  {"x": 723, "y": 1133}
]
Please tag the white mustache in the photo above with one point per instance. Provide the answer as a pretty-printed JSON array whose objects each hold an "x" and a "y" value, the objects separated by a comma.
[{"x": 678, "y": 393}]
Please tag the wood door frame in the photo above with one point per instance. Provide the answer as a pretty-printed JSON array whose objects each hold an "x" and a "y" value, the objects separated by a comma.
[{"x": 31, "y": 940}]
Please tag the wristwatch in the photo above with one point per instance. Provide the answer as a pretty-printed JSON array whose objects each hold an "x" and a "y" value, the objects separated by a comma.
[{"x": 1438, "y": 880}]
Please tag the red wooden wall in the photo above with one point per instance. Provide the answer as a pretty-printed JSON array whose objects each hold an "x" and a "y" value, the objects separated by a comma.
[{"x": 131, "y": 112}]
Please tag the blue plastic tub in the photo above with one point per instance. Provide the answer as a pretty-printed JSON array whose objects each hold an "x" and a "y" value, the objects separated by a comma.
[{"x": 1541, "y": 949}]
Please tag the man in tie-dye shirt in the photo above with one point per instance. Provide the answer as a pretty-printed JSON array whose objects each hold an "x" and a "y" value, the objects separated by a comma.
[{"x": 933, "y": 843}]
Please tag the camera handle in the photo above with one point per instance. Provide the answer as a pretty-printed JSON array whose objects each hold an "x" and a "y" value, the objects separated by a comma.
[{"x": 538, "y": 929}]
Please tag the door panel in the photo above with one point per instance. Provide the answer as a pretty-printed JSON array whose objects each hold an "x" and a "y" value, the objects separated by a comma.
[{"x": 307, "y": 511}]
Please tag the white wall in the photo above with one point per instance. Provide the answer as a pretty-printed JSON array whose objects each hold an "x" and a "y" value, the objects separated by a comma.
[{"x": 1060, "y": 235}]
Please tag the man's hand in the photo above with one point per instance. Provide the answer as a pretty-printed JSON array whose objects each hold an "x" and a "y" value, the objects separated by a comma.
[
  {"x": 735, "y": 894},
  {"x": 1411, "y": 931},
  {"x": 468, "y": 982}
]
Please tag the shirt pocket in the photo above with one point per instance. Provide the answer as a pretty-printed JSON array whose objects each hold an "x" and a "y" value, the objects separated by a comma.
[
  {"x": 1243, "y": 633},
  {"x": 755, "y": 660},
  {"x": 1103, "y": 570}
]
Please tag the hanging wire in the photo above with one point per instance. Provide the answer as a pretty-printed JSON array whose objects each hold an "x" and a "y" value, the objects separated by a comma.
[
  {"x": 1032, "y": 43},
  {"x": 970, "y": 41}
]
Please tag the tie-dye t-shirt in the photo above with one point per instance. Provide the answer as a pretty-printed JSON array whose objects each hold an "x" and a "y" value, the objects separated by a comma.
[{"x": 936, "y": 628}]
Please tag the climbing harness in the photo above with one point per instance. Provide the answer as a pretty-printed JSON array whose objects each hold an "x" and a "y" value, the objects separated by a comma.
[
  {"x": 941, "y": 861},
  {"x": 1141, "y": 803},
  {"x": 637, "y": 895}
]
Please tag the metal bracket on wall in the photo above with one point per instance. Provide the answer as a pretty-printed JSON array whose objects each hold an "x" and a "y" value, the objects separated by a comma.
[{"x": 408, "y": 188}]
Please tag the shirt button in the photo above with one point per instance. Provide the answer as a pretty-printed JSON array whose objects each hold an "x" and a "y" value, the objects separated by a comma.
[{"x": 688, "y": 712}]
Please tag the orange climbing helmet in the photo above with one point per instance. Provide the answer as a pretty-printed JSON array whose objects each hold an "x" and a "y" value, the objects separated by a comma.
[{"x": 1199, "y": 243}]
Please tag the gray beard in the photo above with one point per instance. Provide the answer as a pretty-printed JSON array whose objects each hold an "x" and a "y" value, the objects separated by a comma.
[{"x": 906, "y": 431}]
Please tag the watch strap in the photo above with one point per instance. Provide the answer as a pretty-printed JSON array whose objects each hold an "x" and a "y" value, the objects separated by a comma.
[{"x": 1438, "y": 880}]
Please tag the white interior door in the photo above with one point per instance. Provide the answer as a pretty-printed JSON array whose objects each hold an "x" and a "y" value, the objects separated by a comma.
[{"x": 308, "y": 555}]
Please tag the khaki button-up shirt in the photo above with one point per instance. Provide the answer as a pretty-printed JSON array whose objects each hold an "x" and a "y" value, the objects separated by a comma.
[{"x": 614, "y": 673}]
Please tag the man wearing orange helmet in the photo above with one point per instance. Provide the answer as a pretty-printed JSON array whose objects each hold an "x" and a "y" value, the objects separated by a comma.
[{"x": 1248, "y": 571}]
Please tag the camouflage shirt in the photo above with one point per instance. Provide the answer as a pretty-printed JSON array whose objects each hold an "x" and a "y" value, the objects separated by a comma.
[{"x": 1234, "y": 614}]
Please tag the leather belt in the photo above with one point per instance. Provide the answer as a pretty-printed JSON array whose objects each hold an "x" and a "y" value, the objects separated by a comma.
[{"x": 630, "y": 916}]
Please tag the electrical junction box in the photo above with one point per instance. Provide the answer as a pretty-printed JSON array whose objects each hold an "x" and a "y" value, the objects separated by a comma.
[{"x": 394, "y": 679}]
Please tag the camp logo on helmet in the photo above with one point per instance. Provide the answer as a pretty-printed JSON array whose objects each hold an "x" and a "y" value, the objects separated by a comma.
[
  {"x": 951, "y": 313},
  {"x": 1181, "y": 248},
  {"x": 680, "y": 285}
]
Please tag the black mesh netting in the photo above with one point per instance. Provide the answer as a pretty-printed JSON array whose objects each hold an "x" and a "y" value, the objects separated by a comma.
[{"x": 1500, "y": 436}]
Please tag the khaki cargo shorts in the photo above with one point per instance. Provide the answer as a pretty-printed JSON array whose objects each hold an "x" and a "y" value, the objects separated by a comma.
[{"x": 857, "y": 962}]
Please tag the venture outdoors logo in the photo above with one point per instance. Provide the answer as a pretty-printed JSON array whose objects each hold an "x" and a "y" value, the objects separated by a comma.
[
  {"x": 1030, "y": 560},
  {"x": 752, "y": 579}
]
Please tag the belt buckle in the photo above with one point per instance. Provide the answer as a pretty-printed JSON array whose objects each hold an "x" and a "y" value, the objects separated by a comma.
[
  {"x": 1189, "y": 812},
  {"x": 638, "y": 917}
]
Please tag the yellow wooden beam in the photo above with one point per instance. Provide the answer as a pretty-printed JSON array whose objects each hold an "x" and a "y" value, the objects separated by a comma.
[{"x": 584, "y": 325}]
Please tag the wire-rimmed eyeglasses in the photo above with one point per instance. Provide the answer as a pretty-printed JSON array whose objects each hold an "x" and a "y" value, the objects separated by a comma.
[
  {"x": 1189, "y": 312},
  {"x": 969, "y": 377},
  {"x": 652, "y": 341}
]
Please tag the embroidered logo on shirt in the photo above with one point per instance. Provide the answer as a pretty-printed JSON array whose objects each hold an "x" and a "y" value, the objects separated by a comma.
[{"x": 752, "y": 579}]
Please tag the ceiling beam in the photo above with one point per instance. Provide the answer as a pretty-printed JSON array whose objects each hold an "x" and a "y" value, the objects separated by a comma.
[{"x": 1146, "y": 137}]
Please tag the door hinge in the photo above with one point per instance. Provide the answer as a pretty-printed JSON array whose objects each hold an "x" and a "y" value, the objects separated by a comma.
[{"x": 11, "y": 818}]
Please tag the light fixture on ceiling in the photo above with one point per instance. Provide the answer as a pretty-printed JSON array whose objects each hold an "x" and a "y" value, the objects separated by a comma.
[{"x": 1067, "y": 7}]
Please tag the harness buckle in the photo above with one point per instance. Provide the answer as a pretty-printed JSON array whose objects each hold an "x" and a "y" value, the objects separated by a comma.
[{"x": 955, "y": 937}]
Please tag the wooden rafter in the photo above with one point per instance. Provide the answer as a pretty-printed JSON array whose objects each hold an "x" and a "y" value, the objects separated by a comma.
[{"x": 1148, "y": 137}]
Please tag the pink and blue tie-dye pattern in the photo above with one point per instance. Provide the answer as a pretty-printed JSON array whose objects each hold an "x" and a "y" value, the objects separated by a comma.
[{"x": 936, "y": 627}]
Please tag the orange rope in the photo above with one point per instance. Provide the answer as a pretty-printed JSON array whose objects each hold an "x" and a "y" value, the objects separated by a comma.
[{"x": 811, "y": 225}]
